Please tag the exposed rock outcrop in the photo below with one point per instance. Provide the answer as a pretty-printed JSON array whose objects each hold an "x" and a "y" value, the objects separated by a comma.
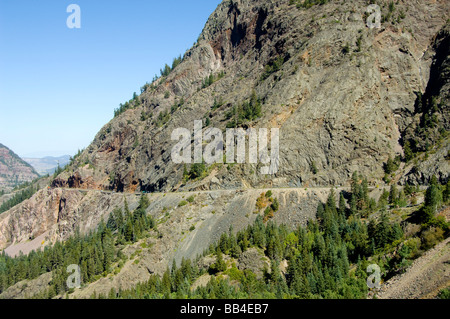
[
  {"x": 341, "y": 110},
  {"x": 14, "y": 170}
]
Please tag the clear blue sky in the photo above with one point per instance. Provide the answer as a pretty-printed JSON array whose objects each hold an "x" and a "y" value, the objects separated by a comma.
[{"x": 59, "y": 86}]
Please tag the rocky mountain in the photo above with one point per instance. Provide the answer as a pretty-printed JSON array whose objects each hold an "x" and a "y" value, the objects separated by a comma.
[
  {"x": 345, "y": 98},
  {"x": 48, "y": 164},
  {"x": 341, "y": 94},
  {"x": 14, "y": 170}
]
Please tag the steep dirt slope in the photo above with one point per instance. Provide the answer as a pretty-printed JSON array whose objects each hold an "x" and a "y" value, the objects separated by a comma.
[{"x": 424, "y": 279}]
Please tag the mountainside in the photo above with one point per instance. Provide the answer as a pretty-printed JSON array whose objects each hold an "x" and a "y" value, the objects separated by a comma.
[
  {"x": 341, "y": 94},
  {"x": 345, "y": 98},
  {"x": 14, "y": 170},
  {"x": 48, "y": 164}
]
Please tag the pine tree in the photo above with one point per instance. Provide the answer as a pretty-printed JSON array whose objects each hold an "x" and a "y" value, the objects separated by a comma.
[
  {"x": 331, "y": 202},
  {"x": 393, "y": 195},
  {"x": 382, "y": 230},
  {"x": 220, "y": 264},
  {"x": 389, "y": 166},
  {"x": 320, "y": 211},
  {"x": 408, "y": 189},
  {"x": 129, "y": 233},
  {"x": 384, "y": 199},
  {"x": 166, "y": 282},
  {"x": 446, "y": 193},
  {"x": 355, "y": 183},
  {"x": 342, "y": 205},
  {"x": 402, "y": 202},
  {"x": 433, "y": 199},
  {"x": 409, "y": 154},
  {"x": 353, "y": 205}
]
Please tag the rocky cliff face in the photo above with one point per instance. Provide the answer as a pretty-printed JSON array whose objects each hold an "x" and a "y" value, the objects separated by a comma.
[
  {"x": 341, "y": 94},
  {"x": 426, "y": 129},
  {"x": 13, "y": 170},
  {"x": 53, "y": 215}
]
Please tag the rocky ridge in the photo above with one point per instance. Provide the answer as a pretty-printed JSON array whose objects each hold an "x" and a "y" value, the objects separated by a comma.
[
  {"x": 14, "y": 170},
  {"x": 341, "y": 97}
]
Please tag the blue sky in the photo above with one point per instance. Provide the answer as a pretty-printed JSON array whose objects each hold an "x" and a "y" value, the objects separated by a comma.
[{"x": 59, "y": 86}]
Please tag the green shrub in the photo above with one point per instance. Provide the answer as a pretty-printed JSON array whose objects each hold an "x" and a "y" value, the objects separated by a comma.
[
  {"x": 197, "y": 170},
  {"x": 413, "y": 246},
  {"x": 273, "y": 67},
  {"x": 235, "y": 274},
  {"x": 431, "y": 237},
  {"x": 275, "y": 205},
  {"x": 444, "y": 293},
  {"x": 182, "y": 203},
  {"x": 163, "y": 118},
  {"x": 190, "y": 199}
]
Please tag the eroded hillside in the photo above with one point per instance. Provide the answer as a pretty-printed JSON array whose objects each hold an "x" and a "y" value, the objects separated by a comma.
[{"x": 341, "y": 94}]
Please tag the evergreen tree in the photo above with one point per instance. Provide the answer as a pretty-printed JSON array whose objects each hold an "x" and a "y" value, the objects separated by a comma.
[
  {"x": 433, "y": 199},
  {"x": 446, "y": 193},
  {"x": 409, "y": 154},
  {"x": 331, "y": 202},
  {"x": 393, "y": 195},
  {"x": 342, "y": 205},
  {"x": 320, "y": 211}
]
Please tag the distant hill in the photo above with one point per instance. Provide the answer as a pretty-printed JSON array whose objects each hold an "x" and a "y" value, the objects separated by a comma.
[
  {"x": 48, "y": 164},
  {"x": 14, "y": 170}
]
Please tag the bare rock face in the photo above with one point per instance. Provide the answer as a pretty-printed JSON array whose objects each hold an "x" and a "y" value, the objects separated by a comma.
[
  {"x": 341, "y": 98},
  {"x": 434, "y": 104},
  {"x": 14, "y": 170},
  {"x": 53, "y": 215},
  {"x": 254, "y": 260}
]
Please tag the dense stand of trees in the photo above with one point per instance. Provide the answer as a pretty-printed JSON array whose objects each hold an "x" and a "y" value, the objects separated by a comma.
[
  {"x": 19, "y": 197},
  {"x": 327, "y": 259},
  {"x": 319, "y": 257},
  {"x": 94, "y": 253},
  {"x": 319, "y": 267}
]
